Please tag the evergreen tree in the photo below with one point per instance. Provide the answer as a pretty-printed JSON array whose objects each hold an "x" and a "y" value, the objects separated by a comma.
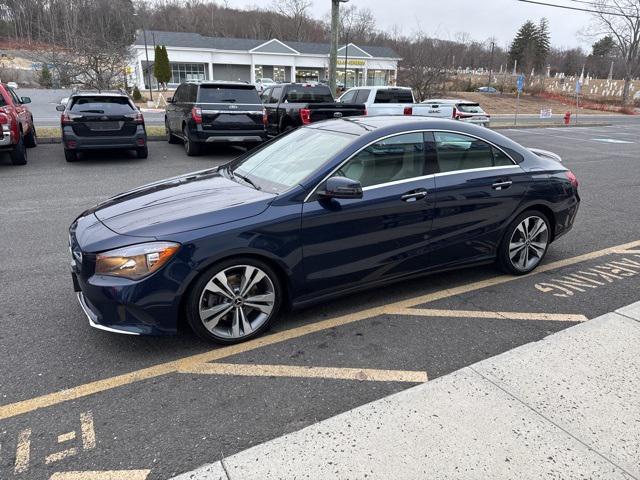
[
  {"x": 543, "y": 44},
  {"x": 161, "y": 66},
  {"x": 44, "y": 79},
  {"x": 137, "y": 96},
  {"x": 524, "y": 46}
]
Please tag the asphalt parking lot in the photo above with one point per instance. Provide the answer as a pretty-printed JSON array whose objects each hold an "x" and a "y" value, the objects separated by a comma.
[{"x": 76, "y": 399}]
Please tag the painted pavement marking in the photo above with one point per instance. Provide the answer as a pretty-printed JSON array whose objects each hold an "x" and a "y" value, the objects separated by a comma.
[
  {"x": 361, "y": 374},
  {"x": 80, "y": 391},
  {"x": 433, "y": 312}
]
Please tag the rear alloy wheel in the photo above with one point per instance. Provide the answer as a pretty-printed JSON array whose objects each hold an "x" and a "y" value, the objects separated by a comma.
[
  {"x": 31, "y": 140},
  {"x": 525, "y": 243},
  {"x": 190, "y": 147},
  {"x": 234, "y": 301},
  {"x": 19, "y": 152}
]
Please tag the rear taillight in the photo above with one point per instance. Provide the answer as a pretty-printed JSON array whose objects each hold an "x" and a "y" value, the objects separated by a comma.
[
  {"x": 265, "y": 119},
  {"x": 366, "y": 112},
  {"x": 572, "y": 178},
  {"x": 65, "y": 119},
  {"x": 305, "y": 116},
  {"x": 455, "y": 114},
  {"x": 408, "y": 111},
  {"x": 138, "y": 118},
  {"x": 196, "y": 115}
]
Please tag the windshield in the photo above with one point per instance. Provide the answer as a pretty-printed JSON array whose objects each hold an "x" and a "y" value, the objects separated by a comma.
[
  {"x": 286, "y": 162},
  {"x": 211, "y": 94},
  {"x": 470, "y": 108}
]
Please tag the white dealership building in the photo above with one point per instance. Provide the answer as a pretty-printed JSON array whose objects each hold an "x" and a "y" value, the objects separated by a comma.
[{"x": 196, "y": 57}]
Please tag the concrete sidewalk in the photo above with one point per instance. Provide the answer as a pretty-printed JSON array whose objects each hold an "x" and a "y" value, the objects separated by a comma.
[{"x": 565, "y": 407}]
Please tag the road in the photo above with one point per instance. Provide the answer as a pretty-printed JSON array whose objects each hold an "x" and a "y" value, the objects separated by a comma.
[{"x": 74, "y": 398}]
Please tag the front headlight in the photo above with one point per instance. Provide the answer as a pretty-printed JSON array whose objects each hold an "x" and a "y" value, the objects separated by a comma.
[{"x": 136, "y": 261}]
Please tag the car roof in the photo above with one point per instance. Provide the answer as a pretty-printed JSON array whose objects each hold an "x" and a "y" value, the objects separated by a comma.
[
  {"x": 98, "y": 94},
  {"x": 218, "y": 83}
]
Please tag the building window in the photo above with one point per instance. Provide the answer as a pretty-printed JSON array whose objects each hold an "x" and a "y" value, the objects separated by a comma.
[
  {"x": 183, "y": 72},
  {"x": 378, "y": 78},
  {"x": 280, "y": 74},
  {"x": 307, "y": 75}
]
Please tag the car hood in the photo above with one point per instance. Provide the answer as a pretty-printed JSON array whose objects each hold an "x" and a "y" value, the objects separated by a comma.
[{"x": 188, "y": 202}]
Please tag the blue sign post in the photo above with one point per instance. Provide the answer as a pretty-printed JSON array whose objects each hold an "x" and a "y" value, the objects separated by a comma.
[{"x": 520, "y": 86}]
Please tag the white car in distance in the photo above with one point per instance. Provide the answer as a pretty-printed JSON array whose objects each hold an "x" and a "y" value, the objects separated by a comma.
[
  {"x": 458, "y": 109},
  {"x": 262, "y": 83}
]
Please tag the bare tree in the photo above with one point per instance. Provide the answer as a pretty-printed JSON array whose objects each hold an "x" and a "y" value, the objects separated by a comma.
[
  {"x": 621, "y": 20},
  {"x": 295, "y": 10}
]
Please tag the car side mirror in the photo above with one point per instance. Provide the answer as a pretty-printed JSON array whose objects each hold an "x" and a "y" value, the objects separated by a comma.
[
  {"x": 60, "y": 108},
  {"x": 341, "y": 187},
  {"x": 169, "y": 99},
  {"x": 25, "y": 100}
]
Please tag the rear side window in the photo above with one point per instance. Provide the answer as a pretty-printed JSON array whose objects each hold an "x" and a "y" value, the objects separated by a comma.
[
  {"x": 394, "y": 96},
  {"x": 310, "y": 94},
  {"x": 362, "y": 96},
  {"x": 103, "y": 105},
  {"x": 212, "y": 94},
  {"x": 460, "y": 152}
]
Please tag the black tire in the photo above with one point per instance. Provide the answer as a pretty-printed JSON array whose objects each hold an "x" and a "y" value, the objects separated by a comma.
[
  {"x": 511, "y": 256},
  {"x": 171, "y": 138},
  {"x": 31, "y": 140},
  {"x": 197, "y": 294},
  {"x": 142, "y": 152},
  {"x": 70, "y": 155},
  {"x": 18, "y": 154},
  {"x": 191, "y": 148}
]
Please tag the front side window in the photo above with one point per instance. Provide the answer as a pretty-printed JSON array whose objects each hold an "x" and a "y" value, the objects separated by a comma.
[
  {"x": 461, "y": 152},
  {"x": 396, "y": 158},
  {"x": 348, "y": 97},
  {"x": 362, "y": 96},
  {"x": 288, "y": 161}
]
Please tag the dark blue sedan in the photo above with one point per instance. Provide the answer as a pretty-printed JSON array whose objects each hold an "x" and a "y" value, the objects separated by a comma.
[{"x": 325, "y": 210}]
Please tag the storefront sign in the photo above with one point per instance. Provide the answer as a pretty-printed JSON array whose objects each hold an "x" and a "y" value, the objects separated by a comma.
[{"x": 351, "y": 62}]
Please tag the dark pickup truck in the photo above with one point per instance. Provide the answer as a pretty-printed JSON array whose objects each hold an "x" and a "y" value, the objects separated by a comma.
[{"x": 291, "y": 105}]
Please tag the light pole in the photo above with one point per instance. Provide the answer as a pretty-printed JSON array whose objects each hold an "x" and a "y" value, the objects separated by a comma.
[
  {"x": 346, "y": 50},
  {"x": 333, "y": 53},
  {"x": 146, "y": 52}
]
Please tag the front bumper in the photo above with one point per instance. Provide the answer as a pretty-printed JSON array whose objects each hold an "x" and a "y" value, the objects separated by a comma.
[
  {"x": 127, "y": 142},
  {"x": 93, "y": 318}
]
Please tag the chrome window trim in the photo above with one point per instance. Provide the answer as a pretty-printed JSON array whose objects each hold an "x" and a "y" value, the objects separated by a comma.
[
  {"x": 396, "y": 182},
  {"x": 233, "y": 112}
]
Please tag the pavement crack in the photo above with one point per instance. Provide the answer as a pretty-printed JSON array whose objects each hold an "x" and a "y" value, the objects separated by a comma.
[
  {"x": 543, "y": 416},
  {"x": 224, "y": 467}
]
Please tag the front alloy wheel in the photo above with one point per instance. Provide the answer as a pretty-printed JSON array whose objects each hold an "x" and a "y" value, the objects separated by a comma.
[
  {"x": 528, "y": 240},
  {"x": 234, "y": 301}
]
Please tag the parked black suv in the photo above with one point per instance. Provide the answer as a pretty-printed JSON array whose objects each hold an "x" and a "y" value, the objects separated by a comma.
[
  {"x": 207, "y": 112},
  {"x": 101, "y": 120}
]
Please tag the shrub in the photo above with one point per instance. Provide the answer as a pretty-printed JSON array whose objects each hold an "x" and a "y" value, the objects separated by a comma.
[{"x": 137, "y": 96}]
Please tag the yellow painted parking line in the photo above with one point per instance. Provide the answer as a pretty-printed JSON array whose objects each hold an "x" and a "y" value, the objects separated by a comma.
[
  {"x": 65, "y": 437},
  {"x": 55, "y": 457},
  {"x": 87, "y": 430},
  {"x": 433, "y": 312},
  {"x": 25, "y": 406},
  {"x": 23, "y": 451},
  {"x": 252, "y": 370},
  {"x": 105, "y": 475}
]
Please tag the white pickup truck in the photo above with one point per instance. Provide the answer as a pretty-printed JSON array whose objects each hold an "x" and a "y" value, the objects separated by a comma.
[{"x": 394, "y": 101}]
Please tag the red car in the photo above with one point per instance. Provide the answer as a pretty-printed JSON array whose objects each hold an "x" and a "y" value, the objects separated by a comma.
[{"x": 16, "y": 125}]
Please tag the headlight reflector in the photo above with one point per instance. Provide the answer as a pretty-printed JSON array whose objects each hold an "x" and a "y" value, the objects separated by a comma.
[{"x": 135, "y": 261}]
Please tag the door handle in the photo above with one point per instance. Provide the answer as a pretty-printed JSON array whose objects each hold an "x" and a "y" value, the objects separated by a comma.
[
  {"x": 413, "y": 196},
  {"x": 501, "y": 184}
]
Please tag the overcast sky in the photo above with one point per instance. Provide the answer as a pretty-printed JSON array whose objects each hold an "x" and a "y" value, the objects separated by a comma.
[{"x": 481, "y": 19}]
